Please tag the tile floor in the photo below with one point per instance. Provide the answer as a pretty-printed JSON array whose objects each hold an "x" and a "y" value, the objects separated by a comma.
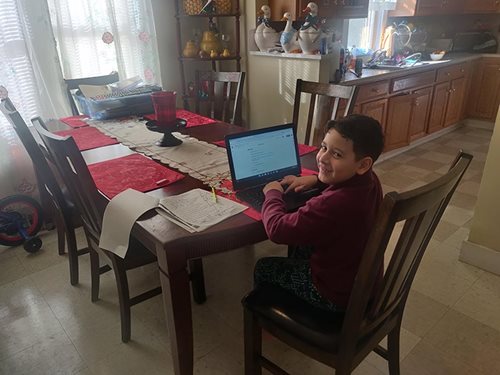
[{"x": 451, "y": 324}]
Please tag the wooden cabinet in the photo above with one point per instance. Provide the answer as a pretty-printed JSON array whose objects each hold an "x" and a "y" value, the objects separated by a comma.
[
  {"x": 455, "y": 102},
  {"x": 484, "y": 98},
  {"x": 326, "y": 8},
  {"x": 482, "y": 6},
  {"x": 398, "y": 121},
  {"x": 420, "y": 112},
  {"x": 438, "y": 108},
  {"x": 376, "y": 109},
  {"x": 427, "y": 7}
]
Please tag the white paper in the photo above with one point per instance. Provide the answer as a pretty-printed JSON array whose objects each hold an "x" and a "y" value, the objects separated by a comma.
[
  {"x": 197, "y": 210},
  {"x": 91, "y": 91},
  {"x": 119, "y": 218}
]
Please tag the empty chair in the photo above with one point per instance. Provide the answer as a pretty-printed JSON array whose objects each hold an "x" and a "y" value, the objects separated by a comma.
[
  {"x": 67, "y": 217},
  {"x": 220, "y": 93},
  {"x": 91, "y": 204},
  {"x": 74, "y": 84},
  {"x": 343, "y": 340},
  {"x": 326, "y": 100}
]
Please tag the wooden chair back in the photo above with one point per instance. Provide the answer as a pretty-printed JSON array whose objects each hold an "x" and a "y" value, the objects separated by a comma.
[
  {"x": 48, "y": 185},
  {"x": 421, "y": 210},
  {"x": 326, "y": 100},
  {"x": 219, "y": 95},
  {"x": 74, "y": 84},
  {"x": 72, "y": 166},
  {"x": 375, "y": 309}
]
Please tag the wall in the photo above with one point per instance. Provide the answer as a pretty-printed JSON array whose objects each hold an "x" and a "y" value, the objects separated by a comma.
[{"x": 482, "y": 248}]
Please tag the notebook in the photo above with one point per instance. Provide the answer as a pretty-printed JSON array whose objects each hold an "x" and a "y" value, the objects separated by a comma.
[{"x": 257, "y": 157}]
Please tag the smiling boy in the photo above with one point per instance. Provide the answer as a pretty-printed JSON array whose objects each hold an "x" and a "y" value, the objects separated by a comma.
[{"x": 329, "y": 233}]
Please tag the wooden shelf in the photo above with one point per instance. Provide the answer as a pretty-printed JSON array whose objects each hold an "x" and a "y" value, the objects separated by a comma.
[
  {"x": 218, "y": 58},
  {"x": 182, "y": 18}
]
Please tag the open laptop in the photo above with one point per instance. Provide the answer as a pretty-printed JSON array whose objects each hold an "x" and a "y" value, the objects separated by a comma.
[{"x": 257, "y": 157}]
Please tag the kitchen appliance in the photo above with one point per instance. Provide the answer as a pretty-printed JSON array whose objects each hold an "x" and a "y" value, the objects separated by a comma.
[{"x": 475, "y": 41}]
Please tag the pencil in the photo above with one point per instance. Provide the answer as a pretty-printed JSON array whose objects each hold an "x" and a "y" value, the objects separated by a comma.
[{"x": 214, "y": 196}]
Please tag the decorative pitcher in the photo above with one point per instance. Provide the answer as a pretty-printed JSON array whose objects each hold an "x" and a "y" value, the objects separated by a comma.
[{"x": 210, "y": 42}]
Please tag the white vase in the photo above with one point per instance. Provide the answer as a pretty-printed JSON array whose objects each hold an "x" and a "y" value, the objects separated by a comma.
[
  {"x": 309, "y": 40},
  {"x": 266, "y": 37}
]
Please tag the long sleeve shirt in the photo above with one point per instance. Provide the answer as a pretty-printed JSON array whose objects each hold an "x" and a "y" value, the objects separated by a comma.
[{"x": 336, "y": 223}]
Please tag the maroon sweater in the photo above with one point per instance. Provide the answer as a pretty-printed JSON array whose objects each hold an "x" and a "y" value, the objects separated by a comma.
[{"x": 337, "y": 223}]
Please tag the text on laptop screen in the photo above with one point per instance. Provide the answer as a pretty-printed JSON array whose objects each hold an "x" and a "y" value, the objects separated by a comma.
[{"x": 264, "y": 154}]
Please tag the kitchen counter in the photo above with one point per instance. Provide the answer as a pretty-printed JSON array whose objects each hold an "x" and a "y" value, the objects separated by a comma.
[{"x": 373, "y": 75}]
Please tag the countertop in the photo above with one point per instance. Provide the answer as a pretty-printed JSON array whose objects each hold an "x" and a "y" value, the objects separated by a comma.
[{"x": 377, "y": 74}]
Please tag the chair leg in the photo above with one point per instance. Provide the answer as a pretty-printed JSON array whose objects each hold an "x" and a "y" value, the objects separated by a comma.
[
  {"x": 94, "y": 274},
  {"x": 252, "y": 343},
  {"x": 72, "y": 256},
  {"x": 61, "y": 233},
  {"x": 197, "y": 280},
  {"x": 123, "y": 297},
  {"x": 393, "y": 350}
]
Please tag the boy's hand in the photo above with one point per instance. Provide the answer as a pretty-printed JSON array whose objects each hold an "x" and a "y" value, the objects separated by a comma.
[
  {"x": 299, "y": 184},
  {"x": 272, "y": 185}
]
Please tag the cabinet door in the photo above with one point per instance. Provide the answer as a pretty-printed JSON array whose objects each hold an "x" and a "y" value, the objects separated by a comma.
[
  {"x": 348, "y": 8},
  {"x": 376, "y": 109},
  {"x": 279, "y": 7},
  {"x": 455, "y": 101},
  {"x": 432, "y": 7},
  {"x": 420, "y": 113},
  {"x": 482, "y": 6},
  {"x": 485, "y": 91},
  {"x": 438, "y": 108},
  {"x": 398, "y": 121}
]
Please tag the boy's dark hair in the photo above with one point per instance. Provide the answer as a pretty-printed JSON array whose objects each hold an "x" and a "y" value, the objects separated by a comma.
[{"x": 364, "y": 132}]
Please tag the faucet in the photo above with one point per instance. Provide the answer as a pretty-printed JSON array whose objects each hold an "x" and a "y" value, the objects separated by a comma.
[{"x": 411, "y": 59}]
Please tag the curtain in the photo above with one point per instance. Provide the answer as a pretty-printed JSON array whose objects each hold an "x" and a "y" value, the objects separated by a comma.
[
  {"x": 96, "y": 37},
  {"x": 30, "y": 75}
]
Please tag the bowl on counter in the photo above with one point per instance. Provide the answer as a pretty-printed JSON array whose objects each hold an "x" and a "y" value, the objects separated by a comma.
[{"x": 437, "y": 56}]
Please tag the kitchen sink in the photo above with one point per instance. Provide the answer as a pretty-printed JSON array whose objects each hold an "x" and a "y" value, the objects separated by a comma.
[{"x": 406, "y": 66}]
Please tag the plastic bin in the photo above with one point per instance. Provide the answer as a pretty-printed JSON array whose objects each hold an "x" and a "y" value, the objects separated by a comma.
[{"x": 120, "y": 106}]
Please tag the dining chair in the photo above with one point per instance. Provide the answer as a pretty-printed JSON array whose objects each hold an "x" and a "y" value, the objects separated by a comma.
[
  {"x": 219, "y": 95},
  {"x": 343, "y": 340},
  {"x": 326, "y": 99},
  {"x": 73, "y": 84},
  {"x": 66, "y": 215},
  {"x": 91, "y": 204}
]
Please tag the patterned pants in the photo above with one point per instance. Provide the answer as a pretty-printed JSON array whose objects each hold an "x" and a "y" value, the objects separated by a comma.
[{"x": 292, "y": 273}]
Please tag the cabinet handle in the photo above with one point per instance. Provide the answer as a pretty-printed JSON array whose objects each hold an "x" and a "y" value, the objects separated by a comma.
[
  {"x": 462, "y": 70},
  {"x": 378, "y": 91},
  {"x": 448, "y": 74}
]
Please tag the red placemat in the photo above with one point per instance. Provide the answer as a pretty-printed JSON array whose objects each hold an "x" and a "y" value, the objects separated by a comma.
[
  {"x": 192, "y": 119},
  {"x": 132, "y": 171},
  {"x": 75, "y": 121},
  {"x": 303, "y": 149},
  {"x": 250, "y": 212},
  {"x": 88, "y": 138}
]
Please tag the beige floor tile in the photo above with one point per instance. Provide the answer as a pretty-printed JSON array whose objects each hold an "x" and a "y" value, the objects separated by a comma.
[
  {"x": 463, "y": 200},
  {"x": 227, "y": 359},
  {"x": 444, "y": 230},
  {"x": 412, "y": 172},
  {"x": 422, "y": 313},
  {"x": 12, "y": 268},
  {"x": 457, "y": 215},
  {"x": 396, "y": 180},
  {"x": 427, "y": 359},
  {"x": 54, "y": 354},
  {"x": 482, "y": 301},
  {"x": 473, "y": 342},
  {"x": 429, "y": 165}
]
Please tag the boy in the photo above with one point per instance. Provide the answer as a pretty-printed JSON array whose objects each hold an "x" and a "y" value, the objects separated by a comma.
[{"x": 327, "y": 235}]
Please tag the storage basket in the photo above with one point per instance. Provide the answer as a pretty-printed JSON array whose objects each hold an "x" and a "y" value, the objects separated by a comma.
[
  {"x": 192, "y": 7},
  {"x": 223, "y": 6}
]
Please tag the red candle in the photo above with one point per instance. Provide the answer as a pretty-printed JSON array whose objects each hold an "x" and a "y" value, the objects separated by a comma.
[{"x": 164, "y": 104}]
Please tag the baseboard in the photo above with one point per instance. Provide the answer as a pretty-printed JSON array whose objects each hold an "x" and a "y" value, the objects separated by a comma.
[
  {"x": 480, "y": 256},
  {"x": 479, "y": 124}
]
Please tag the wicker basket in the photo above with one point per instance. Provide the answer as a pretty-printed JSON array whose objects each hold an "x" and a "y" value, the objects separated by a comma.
[
  {"x": 223, "y": 6},
  {"x": 192, "y": 7}
]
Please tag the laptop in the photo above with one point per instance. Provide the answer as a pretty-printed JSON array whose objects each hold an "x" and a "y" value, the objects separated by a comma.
[{"x": 257, "y": 157}]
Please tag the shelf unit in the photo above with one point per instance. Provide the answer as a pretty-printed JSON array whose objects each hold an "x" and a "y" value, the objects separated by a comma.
[{"x": 180, "y": 17}]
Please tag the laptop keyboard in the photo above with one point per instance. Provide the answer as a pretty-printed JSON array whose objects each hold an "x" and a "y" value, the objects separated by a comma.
[{"x": 254, "y": 197}]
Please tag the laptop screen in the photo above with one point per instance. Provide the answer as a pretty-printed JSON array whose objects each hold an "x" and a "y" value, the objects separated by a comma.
[{"x": 259, "y": 156}]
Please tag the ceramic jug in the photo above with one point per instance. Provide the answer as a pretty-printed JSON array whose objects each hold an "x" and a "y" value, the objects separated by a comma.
[{"x": 209, "y": 43}]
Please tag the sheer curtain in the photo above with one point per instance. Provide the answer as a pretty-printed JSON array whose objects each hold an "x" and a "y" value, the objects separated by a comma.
[
  {"x": 30, "y": 76},
  {"x": 96, "y": 37}
]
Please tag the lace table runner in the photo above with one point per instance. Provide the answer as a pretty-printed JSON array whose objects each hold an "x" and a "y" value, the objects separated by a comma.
[{"x": 201, "y": 160}]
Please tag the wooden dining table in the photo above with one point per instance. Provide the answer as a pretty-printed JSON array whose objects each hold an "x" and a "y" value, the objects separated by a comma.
[{"x": 175, "y": 247}]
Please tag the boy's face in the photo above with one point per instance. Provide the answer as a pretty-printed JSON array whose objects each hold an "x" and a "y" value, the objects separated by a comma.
[{"x": 337, "y": 161}]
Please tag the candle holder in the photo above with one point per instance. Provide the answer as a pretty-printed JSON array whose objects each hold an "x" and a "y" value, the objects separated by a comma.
[{"x": 166, "y": 129}]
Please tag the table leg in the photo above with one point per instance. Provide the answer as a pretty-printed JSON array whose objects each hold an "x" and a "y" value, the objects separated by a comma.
[{"x": 177, "y": 305}]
